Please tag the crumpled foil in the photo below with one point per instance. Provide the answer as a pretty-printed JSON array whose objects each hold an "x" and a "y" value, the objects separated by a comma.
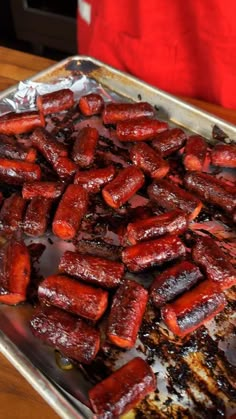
[{"x": 24, "y": 97}]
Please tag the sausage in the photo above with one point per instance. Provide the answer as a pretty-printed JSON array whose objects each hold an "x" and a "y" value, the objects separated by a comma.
[
  {"x": 91, "y": 104},
  {"x": 95, "y": 270},
  {"x": 211, "y": 190},
  {"x": 153, "y": 252},
  {"x": 169, "y": 141},
  {"x": 12, "y": 213},
  {"x": 215, "y": 263},
  {"x": 11, "y": 150},
  {"x": 123, "y": 389},
  {"x": 48, "y": 146},
  {"x": 125, "y": 317},
  {"x": 141, "y": 129},
  {"x": 49, "y": 190},
  {"x": 174, "y": 281},
  {"x": 54, "y": 102},
  {"x": 15, "y": 269},
  {"x": 224, "y": 155},
  {"x": 123, "y": 186},
  {"x": 16, "y": 172},
  {"x": 37, "y": 216},
  {"x": 170, "y": 196},
  {"x": 73, "y": 296},
  {"x": 70, "y": 211},
  {"x": 92, "y": 180},
  {"x": 144, "y": 157},
  {"x": 19, "y": 123},
  {"x": 65, "y": 168},
  {"x": 72, "y": 336},
  {"x": 173, "y": 222},
  {"x": 195, "y": 153},
  {"x": 193, "y": 309},
  {"x": 85, "y": 146},
  {"x": 116, "y": 112}
]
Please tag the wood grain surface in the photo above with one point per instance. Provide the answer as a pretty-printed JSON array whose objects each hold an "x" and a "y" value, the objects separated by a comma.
[{"x": 18, "y": 400}]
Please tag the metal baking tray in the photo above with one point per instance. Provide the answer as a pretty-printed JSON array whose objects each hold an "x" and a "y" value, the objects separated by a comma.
[{"x": 66, "y": 391}]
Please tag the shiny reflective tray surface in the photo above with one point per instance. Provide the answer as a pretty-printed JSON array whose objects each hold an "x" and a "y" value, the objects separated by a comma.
[{"x": 66, "y": 391}]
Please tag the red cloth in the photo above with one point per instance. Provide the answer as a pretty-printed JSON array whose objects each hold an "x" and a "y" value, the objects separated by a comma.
[{"x": 183, "y": 47}]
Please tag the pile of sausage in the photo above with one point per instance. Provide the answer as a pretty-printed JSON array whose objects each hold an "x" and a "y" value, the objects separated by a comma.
[{"x": 189, "y": 290}]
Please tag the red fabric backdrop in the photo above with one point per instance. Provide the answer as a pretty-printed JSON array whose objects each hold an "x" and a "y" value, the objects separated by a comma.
[{"x": 186, "y": 47}]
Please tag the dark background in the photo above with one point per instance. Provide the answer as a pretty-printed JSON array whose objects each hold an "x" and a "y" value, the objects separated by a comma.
[{"x": 42, "y": 27}]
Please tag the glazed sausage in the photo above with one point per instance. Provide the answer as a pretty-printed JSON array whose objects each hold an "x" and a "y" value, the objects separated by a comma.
[
  {"x": 73, "y": 296},
  {"x": 153, "y": 252},
  {"x": 54, "y": 102},
  {"x": 193, "y": 309},
  {"x": 123, "y": 389},
  {"x": 92, "y": 180},
  {"x": 141, "y": 129},
  {"x": 70, "y": 211},
  {"x": 95, "y": 270},
  {"x": 126, "y": 314},
  {"x": 91, "y": 104},
  {"x": 174, "y": 281},
  {"x": 144, "y": 157},
  {"x": 15, "y": 269},
  {"x": 116, "y": 112},
  {"x": 173, "y": 222},
  {"x": 195, "y": 153},
  {"x": 208, "y": 255},
  {"x": 85, "y": 146},
  {"x": 19, "y": 123},
  {"x": 169, "y": 141},
  {"x": 123, "y": 186},
  {"x": 72, "y": 336},
  {"x": 170, "y": 196}
]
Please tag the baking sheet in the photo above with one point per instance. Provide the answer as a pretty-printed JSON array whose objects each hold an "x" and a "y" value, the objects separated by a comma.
[{"x": 26, "y": 352}]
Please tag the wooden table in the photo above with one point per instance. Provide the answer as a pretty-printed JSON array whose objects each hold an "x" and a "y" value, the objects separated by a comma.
[{"x": 18, "y": 400}]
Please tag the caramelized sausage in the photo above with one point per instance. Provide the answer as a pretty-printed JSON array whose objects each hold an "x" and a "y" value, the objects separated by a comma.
[
  {"x": 91, "y": 104},
  {"x": 173, "y": 222},
  {"x": 19, "y": 123},
  {"x": 224, "y": 155},
  {"x": 92, "y": 180},
  {"x": 57, "y": 101},
  {"x": 139, "y": 129},
  {"x": 70, "y": 211},
  {"x": 211, "y": 190},
  {"x": 84, "y": 147},
  {"x": 48, "y": 146},
  {"x": 169, "y": 141},
  {"x": 12, "y": 213},
  {"x": 123, "y": 186},
  {"x": 208, "y": 255},
  {"x": 73, "y": 296},
  {"x": 144, "y": 157},
  {"x": 11, "y": 150},
  {"x": 126, "y": 314},
  {"x": 37, "y": 216},
  {"x": 174, "y": 281},
  {"x": 193, "y": 309},
  {"x": 16, "y": 172},
  {"x": 95, "y": 270},
  {"x": 170, "y": 196},
  {"x": 15, "y": 268},
  {"x": 116, "y": 112},
  {"x": 153, "y": 252},
  {"x": 123, "y": 389},
  {"x": 195, "y": 153},
  {"x": 70, "y": 335},
  {"x": 49, "y": 190}
]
